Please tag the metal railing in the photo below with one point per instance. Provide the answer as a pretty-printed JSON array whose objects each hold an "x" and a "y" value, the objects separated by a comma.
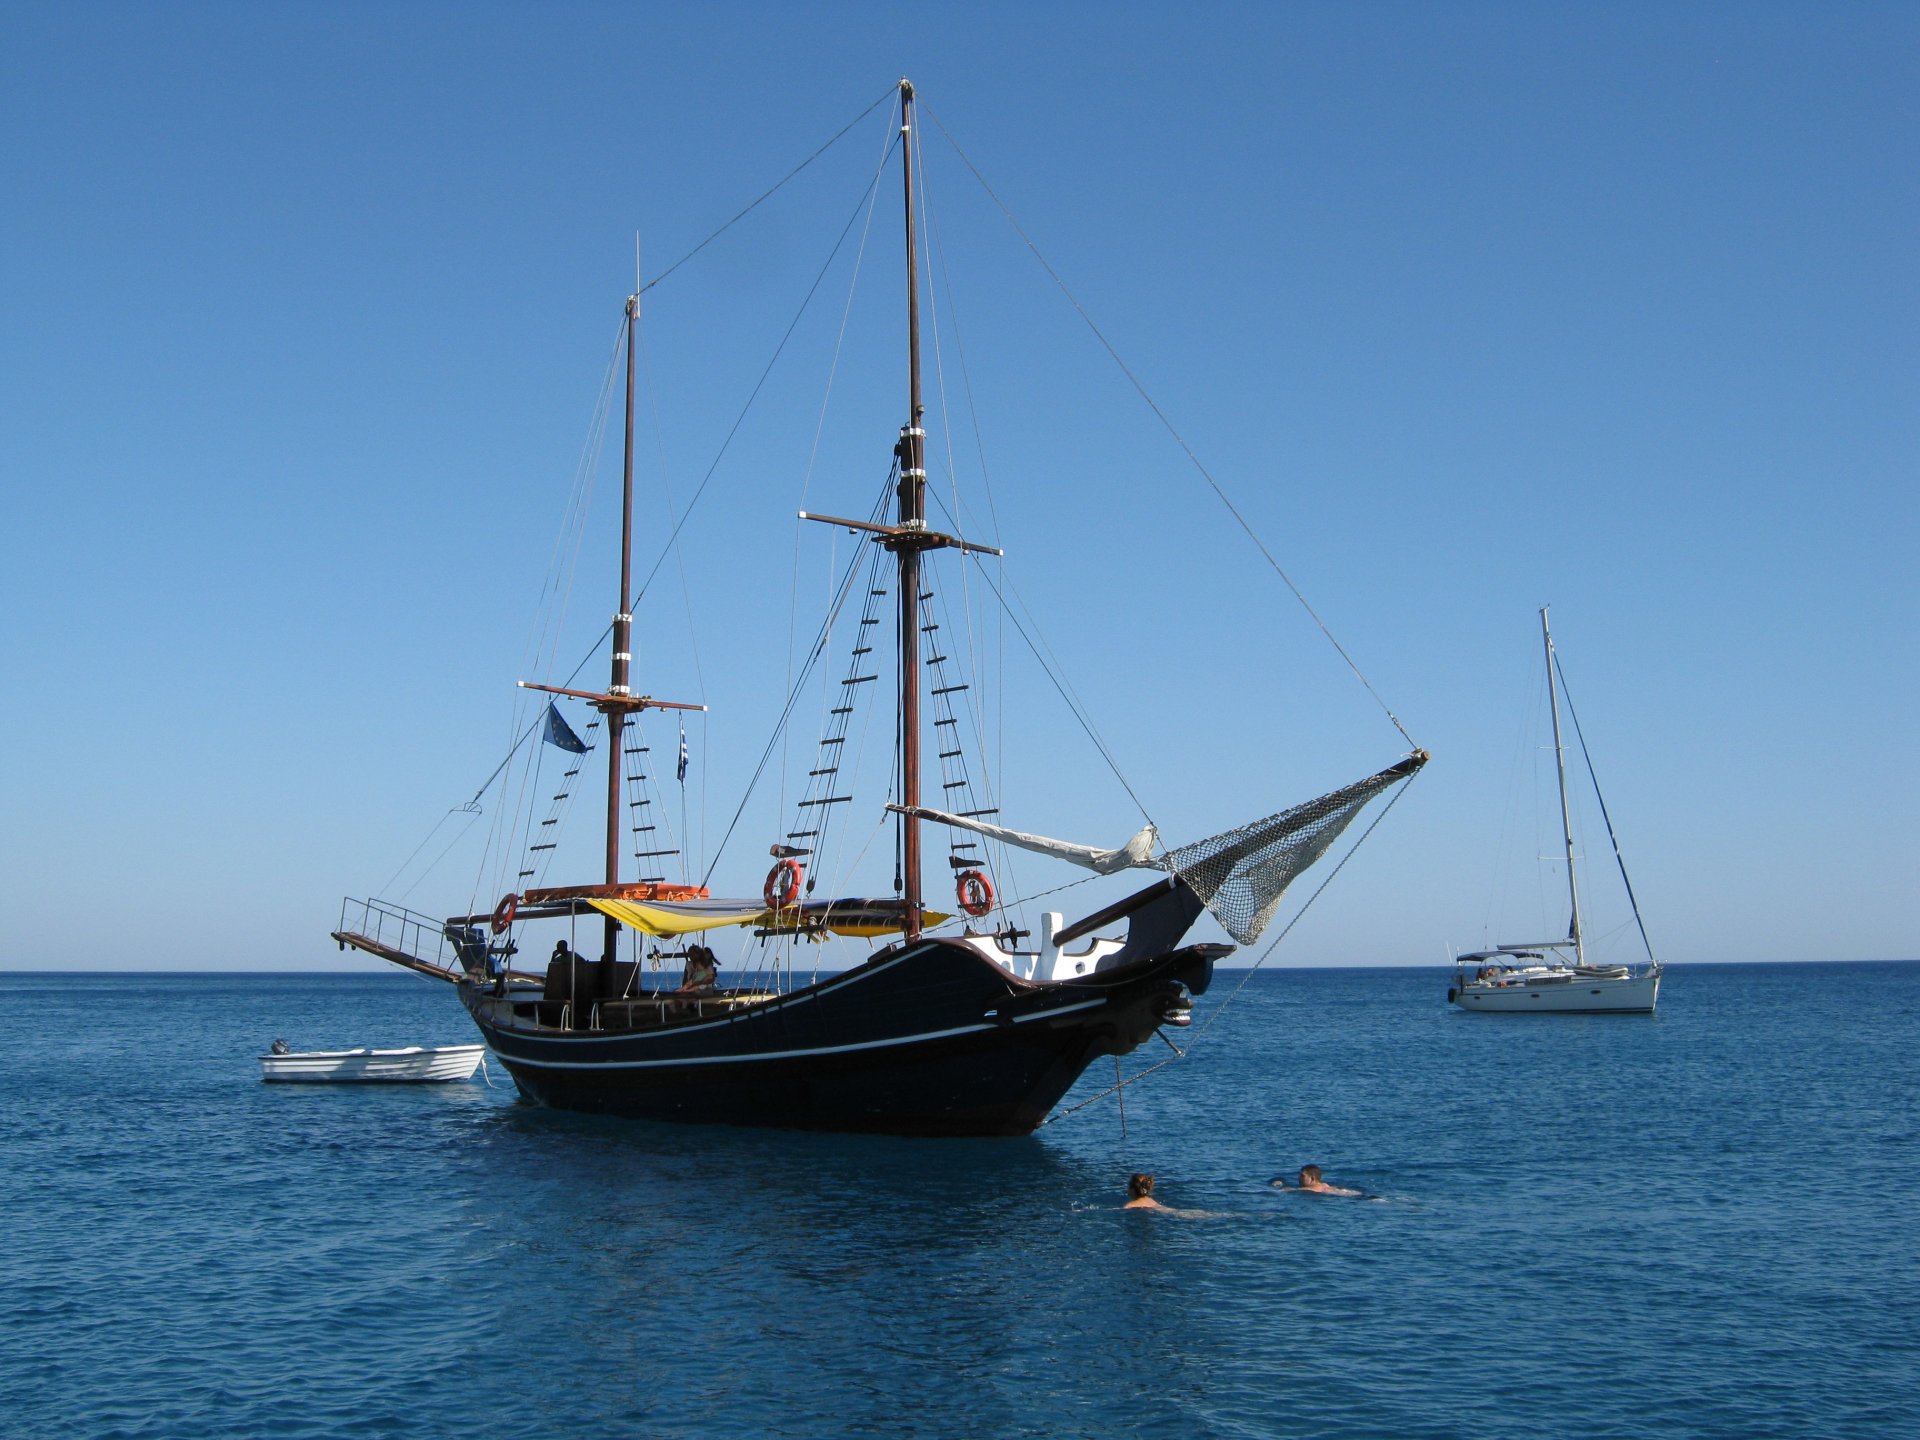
[{"x": 408, "y": 931}]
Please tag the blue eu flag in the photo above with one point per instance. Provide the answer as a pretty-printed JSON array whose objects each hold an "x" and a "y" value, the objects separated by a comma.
[{"x": 560, "y": 733}]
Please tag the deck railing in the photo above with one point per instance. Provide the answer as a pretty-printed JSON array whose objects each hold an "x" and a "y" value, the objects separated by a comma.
[{"x": 398, "y": 928}]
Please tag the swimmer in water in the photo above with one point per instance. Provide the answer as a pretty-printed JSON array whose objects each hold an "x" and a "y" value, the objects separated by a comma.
[
  {"x": 1312, "y": 1184},
  {"x": 1140, "y": 1194}
]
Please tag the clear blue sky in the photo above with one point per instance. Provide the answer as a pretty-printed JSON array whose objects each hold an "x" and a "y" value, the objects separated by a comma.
[{"x": 1471, "y": 308}]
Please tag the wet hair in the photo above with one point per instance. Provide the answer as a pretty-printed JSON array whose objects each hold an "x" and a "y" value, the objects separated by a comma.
[
  {"x": 1309, "y": 1174},
  {"x": 1139, "y": 1186}
]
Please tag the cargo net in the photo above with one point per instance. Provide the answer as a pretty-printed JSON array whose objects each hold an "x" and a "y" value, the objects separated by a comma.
[{"x": 1241, "y": 876}]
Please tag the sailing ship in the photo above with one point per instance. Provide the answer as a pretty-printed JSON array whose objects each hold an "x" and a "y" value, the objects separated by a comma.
[
  {"x": 1552, "y": 977},
  {"x": 951, "y": 1025}
]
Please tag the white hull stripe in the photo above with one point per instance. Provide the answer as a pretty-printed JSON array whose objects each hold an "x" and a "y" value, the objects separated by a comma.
[{"x": 512, "y": 1059}]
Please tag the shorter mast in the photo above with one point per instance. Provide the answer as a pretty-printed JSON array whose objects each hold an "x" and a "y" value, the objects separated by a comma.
[
  {"x": 619, "y": 683},
  {"x": 1566, "y": 814}
]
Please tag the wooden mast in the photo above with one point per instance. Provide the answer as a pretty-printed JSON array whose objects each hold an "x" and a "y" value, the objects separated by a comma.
[
  {"x": 912, "y": 451},
  {"x": 619, "y": 686},
  {"x": 617, "y": 703},
  {"x": 907, "y": 538}
]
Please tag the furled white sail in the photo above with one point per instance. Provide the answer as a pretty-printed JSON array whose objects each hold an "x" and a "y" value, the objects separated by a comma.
[{"x": 1136, "y": 852}]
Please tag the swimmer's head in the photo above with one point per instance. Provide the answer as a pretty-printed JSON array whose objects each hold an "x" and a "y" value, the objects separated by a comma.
[
  {"x": 1139, "y": 1187},
  {"x": 1309, "y": 1174}
]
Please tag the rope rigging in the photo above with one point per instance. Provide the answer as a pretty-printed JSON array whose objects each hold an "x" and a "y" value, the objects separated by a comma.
[
  {"x": 1171, "y": 430},
  {"x": 1587, "y": 756},
  {"x": 768, "y": 194}
]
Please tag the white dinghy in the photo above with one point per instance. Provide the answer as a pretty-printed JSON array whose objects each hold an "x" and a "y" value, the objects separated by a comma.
[{"x": 416, "y": 1064}]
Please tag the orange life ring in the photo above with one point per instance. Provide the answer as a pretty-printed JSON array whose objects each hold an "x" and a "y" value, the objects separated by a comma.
[
  {"x": 783, "y": 884},
  {"x": 504, "y": 912},
  {"x": 974, "y": 891}
]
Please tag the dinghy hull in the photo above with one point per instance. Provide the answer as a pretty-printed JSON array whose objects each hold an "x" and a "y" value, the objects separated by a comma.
[{"x": 416, "y": 1064}]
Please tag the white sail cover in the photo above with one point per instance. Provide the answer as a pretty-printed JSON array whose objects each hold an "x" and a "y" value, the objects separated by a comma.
[{"x": 1136, "y": 852}]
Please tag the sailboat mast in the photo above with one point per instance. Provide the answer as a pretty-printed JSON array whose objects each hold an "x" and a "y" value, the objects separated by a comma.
[
  {"x": 912, "y": 451},
  {"x": 619, "y": 686},
  {"x": 1566, "y": 814}
]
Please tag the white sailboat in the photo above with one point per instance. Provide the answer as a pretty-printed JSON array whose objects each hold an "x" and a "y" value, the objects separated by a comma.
[{"x": 1552, "y": 977}]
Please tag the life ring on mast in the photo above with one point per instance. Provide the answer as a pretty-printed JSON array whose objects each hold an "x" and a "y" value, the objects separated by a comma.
[
  {"x": 783, "y": 884},
  {"x": 974, "y": 891},
  {"x": 504, "y": 912}
]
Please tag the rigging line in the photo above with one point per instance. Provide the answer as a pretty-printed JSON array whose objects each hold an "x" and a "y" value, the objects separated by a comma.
[
  {"x": 666, "y": 490},
  {"x": 1073, "y": 705},
  {"x": 793, "y": 696},
  {"x": 680, "y": 562},
  {"x": 1178, "y": 438},
  {"x": 828, "y": 724},
  {"x": 846, "y": 313},
  {"x": 1272, "y": 945},
  {"x": 891, "y": 92},
  {"x": 843, "y": 867},
  {"x": 557, "y": 584},
  {"x": 974, "y": 702},
  {"x": 820, "y": 422},
  {"x": 394, "y": 878},
  {"x": 507, "y": 760},
  {"x": 555, "y": 595},
  {"x": 471, "y": 807},
  {"x": 434, "y": 864},
  {"x": 758, "y": 386},
  {"x": 938, "y": 249},
  {"x": 1619, "y": 859}
]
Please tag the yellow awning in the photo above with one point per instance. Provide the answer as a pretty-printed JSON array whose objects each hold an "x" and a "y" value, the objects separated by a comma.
[
  {"x": 668, "y": 918},
  {"x": 682, "y": 917}
]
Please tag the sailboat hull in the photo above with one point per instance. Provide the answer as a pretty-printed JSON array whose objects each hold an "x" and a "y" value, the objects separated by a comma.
[
  {"x": 1635, "y": 995},
  {"x": 926, "y": 1039}
]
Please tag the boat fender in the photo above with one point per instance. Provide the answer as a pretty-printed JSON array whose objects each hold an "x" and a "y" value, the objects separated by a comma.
[
  {"x": 1451, "y": 994},
  {"x": 504, "y": 912},
  {"x": 974, "y": 891},
  {"x": 783, "y": 885}
]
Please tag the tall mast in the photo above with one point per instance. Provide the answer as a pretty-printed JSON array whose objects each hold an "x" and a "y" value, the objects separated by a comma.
[
  {"x": 619, "y": 686},
  {"x": 1566, "y": 815},
  {"x": 912, "y": 451}
]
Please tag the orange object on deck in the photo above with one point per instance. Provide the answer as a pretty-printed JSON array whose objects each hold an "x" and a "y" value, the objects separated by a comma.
[{"x": 635, "y": 890}]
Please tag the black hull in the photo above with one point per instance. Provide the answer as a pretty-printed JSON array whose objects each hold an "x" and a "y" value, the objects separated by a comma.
[{"x": 924, "y": 1039}]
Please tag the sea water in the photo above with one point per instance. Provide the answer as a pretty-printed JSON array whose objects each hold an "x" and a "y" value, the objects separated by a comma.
[{"x": 1701, "y": 1223}]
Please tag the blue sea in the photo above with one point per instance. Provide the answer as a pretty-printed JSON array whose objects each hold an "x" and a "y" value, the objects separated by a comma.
[{"x": 1705, "y": 1224}]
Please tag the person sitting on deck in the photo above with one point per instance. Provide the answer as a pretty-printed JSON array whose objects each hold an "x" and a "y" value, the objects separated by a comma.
[
  {"x": 1311, "y": 1182},
  {"x": 700, "y": 971}
]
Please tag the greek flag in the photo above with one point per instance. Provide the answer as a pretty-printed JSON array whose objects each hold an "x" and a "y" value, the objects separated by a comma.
[
  {"x": 680, "y": 772},
  {"x": 560, "y": 733}
]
